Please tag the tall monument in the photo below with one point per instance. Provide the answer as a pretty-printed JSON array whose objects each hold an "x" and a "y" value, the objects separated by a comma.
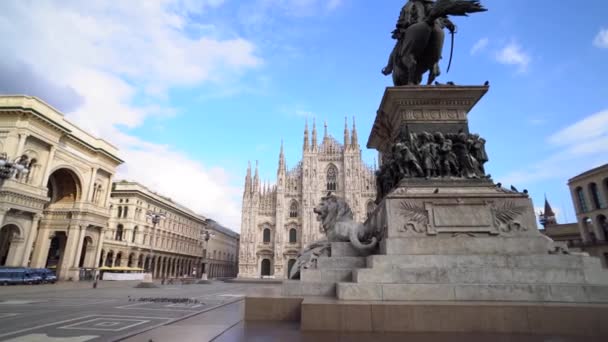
[{"x": 446, "y": 249}]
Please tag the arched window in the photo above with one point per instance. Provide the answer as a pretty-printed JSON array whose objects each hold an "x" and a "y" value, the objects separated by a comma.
[
  {"x": 119, "y": 212},
  {"x": 580, "y": 196},
  {"x": 125, "y": 212},
  {"x": 596, "y": 199},
  {"x": 293, "y": 209},
  {"x": 332, "y": 178},
  {"x": 118, "y": 236},
  {"x": 266, "y": 235},
  {"x": 293, "y": 235},
  {"x": 134, "y": 234},
  {"x": 370, "y": 208}
]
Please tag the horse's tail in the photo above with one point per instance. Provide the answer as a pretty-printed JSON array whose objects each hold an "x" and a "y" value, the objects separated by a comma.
[{"x": 454, "y": 7}]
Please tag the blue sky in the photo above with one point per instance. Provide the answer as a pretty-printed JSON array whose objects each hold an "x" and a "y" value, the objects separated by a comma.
[{"x": 192, "y": 90}]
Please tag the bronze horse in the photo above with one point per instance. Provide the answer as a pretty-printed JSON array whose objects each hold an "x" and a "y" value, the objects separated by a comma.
[{"x": 420, "y": 46}]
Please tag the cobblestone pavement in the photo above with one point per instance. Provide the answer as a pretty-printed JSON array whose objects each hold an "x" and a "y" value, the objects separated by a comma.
[{"x": 77, "y": 312}]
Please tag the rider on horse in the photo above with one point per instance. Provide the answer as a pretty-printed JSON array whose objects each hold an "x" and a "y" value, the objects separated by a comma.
[{"x": 414, "y": 12}]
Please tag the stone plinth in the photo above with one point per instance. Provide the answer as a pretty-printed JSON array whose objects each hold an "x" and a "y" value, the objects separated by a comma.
[
  {"x": 563, "y": 319},
  {"x": 422, "y": 108}
]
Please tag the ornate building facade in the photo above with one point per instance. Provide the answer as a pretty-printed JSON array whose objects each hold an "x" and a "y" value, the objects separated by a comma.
[
  {"x": 278, "y": 220},
  {"x": 60, "y": 209},
  {"x": 589, "y": 192},
  {"x": 174, "y": 247},
  {"x": 52, "y": 211}
]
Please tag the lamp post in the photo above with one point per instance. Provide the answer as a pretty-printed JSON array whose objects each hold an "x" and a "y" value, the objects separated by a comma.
[
  {"x": 156, "y": 218},
  {"x": 207, "y": 234}
]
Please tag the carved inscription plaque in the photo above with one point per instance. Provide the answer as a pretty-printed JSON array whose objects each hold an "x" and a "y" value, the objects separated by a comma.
[{"x": 461, "y": 216}]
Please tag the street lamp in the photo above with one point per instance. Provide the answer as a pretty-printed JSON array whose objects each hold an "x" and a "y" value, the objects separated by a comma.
[
  {"x": 207, "y": 234},
  {"x": 156, "y": 218},
  {"x": 9, "y": 169}
]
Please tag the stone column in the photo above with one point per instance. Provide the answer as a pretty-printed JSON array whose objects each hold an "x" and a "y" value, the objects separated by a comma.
[
  {"x": 15, "y": 250},
  {"x": 90, "y": 191},
  {"x": 584, "y": 230},
  {"x": 31, "y": 236},
  {"x": 3, "y": 212},
  {"x": 67, "y": 269},
  {"x": 21, "y": 144},
  {"x": 41, "y": 251},
  {"x": 106, "y": 201},
  {"x": 47, "y": 166},
  {"x": 103, "y": 258},
  {"x": 100, "y": 239},
  {"x": 597, "y": 227},
  {"x": 78, "y": 251}
]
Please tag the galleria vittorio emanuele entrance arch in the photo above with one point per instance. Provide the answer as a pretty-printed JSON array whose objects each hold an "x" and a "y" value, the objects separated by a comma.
[{"x": 53, "y": 210}]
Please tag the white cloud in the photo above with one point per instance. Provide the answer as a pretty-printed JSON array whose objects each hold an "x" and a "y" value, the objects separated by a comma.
[
  {"x": 574, "y": 149},
  {"x": 585, "y": 132},
  {"x": 479, "y": 46},
  {"x": 512, "y": 54},
  {"x": 121, "y": 58},
  {"x": 601, "y": 39}
]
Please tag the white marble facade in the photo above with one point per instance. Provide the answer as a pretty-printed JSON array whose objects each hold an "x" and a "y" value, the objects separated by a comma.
[{"x": 278, "y": 220}]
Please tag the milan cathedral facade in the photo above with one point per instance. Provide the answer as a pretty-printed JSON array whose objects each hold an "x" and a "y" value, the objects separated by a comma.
[{"x": 278, "y": 220}]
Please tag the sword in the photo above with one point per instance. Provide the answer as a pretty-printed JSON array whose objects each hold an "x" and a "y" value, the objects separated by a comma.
[{"x": 451, "y": 52}]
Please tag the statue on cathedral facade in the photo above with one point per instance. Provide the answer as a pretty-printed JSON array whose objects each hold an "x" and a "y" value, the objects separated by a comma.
[{"x": 419, "y": 34}]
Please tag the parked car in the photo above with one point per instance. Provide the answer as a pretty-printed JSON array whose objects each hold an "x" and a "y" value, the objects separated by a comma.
[
  {"x": 12, "y": 276},
  {"x": 47, "y": 276}
]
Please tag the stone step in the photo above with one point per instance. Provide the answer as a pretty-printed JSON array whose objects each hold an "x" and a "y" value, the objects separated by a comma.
[
  {"x": 466, "y": 245},
  {"x": 467, "y": 275},
  {"x": 296, "y": 288},
  {"x": 474, "y": 292},
  {"x": 326, "y": 275},
  {"x": 515, "y": 261},
  {"x": 341, "y": 262}
]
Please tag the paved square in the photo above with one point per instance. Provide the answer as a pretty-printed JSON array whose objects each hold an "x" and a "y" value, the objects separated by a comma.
[
  {"x": 106, "y": 324},
  {"x": 8, "y": 315}
]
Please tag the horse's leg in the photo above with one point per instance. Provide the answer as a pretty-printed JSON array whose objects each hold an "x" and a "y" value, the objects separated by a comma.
[
  {"x": 388, "y": 69},
  {"x": 410, "y": 64}
]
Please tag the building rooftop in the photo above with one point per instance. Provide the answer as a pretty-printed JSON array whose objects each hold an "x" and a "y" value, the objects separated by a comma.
[
  {"x": 52, "y": 116},
  {"x": 599, "y": 169}
]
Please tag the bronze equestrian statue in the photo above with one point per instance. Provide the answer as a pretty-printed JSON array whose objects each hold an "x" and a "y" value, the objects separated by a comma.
[{"x": 420, "y": 37}]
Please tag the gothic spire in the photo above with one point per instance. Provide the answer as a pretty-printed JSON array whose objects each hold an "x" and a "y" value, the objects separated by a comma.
[
  {"x": 547, "y": 218},
  {"x": 282, "y": 167},
  {"x": 325, "y": 130},
  {"x": 306, "y": 145},
  {"x": 314, "y": 135},
  {"x": 355, "y": 138},
  {"x": 346, "y": 135},
  {"x": 256, "y": 178},
  {"x": 248, "y": 188}
]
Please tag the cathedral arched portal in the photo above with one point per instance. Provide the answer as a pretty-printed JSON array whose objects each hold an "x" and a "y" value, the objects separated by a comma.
[{"x": 265, "y": 267}]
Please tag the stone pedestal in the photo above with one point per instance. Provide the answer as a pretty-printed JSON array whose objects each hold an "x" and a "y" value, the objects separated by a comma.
[
  {"x": 422, "y": 109},
  {"x": 457, "y": 253},
  {"x": 460, "y": 238}
]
